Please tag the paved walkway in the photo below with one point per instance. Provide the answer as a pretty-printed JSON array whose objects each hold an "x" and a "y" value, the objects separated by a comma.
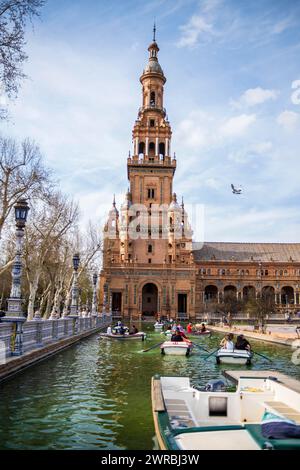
[{"x": 281, "y": 334}]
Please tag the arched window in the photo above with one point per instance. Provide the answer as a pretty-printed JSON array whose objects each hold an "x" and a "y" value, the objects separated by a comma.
[
  {"x": 162, "y": 149},
  {"x": 149, "y": 248},
  {"x": 152, "y": 98},
  {"x": 151, "y": 150},
  {"x": 141, "y": 148}
]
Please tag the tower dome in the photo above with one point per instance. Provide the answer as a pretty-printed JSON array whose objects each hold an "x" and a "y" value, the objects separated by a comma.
[
  {"x": 153, "y": 65},
  {"x": 113, "y": 211}
]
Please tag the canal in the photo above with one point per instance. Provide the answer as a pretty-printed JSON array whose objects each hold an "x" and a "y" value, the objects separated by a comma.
[{"x": 96, "y": 395}]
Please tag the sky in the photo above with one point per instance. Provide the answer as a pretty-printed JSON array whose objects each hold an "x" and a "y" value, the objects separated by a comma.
[{"x": 232, "y": 97}]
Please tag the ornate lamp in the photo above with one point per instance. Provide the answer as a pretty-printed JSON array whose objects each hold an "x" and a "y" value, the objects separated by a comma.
[{"x": 76, "y": 261}]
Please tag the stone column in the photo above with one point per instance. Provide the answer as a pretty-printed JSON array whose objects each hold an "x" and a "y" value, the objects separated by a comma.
[{"x": 147, "y": 147}]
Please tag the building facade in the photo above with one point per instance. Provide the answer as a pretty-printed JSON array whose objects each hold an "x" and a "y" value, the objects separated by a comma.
[{"x": 150, "y": 264}]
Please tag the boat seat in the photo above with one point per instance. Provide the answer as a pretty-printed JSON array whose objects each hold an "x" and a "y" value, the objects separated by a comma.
[
  {"x": 216, "y": 439},
  {"x": 179, "y": 414},
  {"x": 282, "y": 409},
  {"x": 283, "y": 444}
]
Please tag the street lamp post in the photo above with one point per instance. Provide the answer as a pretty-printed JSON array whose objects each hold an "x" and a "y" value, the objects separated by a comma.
[
  {"x": 94, "y": 302},
  {"x": 75, "y": 290},
  {"x": 14, "y": 307}
]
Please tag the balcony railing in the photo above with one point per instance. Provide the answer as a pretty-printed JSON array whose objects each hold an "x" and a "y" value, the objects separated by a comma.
[{"x": 152, "y": 108}]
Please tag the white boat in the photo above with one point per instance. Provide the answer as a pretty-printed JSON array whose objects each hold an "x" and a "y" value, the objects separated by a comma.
[
  {"x": 140, "y": 335},
  {"x": 168, "y": 334},
  {"x": 176, "y": 348},
  {"x": 235, "y": 356},
  {"x": 158, "y": 326},
  {"x": 186, "y": 418}
]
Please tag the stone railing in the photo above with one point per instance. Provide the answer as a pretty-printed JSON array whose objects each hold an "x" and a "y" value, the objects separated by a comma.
[{"x": 38, "y": 333}]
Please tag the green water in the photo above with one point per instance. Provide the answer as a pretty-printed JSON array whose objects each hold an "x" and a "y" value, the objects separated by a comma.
[{"x": 96, "y": 395}]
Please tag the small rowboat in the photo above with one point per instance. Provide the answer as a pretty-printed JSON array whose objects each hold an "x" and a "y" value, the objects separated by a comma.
[
  {"x": 236, "y": 356},
  {"x": 141, "y": 336},
  {"x": 174, "y": 348},
  {"x": 186, "y": 418},
  {"x": 158, "y": 326},
  {"x": 202, "y": 333}
]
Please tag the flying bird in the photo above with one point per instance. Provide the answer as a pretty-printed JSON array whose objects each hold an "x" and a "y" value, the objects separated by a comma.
[{"x": 236, "y": 190}]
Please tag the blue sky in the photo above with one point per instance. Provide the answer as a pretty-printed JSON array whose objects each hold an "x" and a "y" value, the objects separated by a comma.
[{"x": 232, "y": 97}]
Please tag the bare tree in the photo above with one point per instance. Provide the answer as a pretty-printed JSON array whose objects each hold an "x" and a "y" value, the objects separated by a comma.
[
  {"x": 22, "y": 173},
  {"x": 89, "y": 245},
  {"x": 259, "y": 309},
  {"x": 14, "y": 16},
  {"x": 49, "y": 224}
]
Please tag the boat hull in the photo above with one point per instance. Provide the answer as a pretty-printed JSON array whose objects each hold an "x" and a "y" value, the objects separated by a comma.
[
  {"x": 233, "y": 357},
  {"x": 138, "y": 336},
  {"x": 172, "y": 348},
  {"x": 203, "y": 333}
]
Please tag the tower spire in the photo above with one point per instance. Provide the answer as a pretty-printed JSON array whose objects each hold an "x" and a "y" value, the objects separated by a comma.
[{"x": 154, "y": 32}]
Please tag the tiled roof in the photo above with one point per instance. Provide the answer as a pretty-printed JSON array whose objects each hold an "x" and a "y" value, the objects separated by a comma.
[{"x": 223, "y": 251}]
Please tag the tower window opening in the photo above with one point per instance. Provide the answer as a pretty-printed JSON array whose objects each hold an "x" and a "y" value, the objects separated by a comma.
[
  {"x": 150, "y": 248},
  {"x": 141, "y": 148},
  {"x": 162, "y": 150},
  {"x": 152, "y": 123},
  {"x": 151, "y": 193},
  {"x": 152, "y": 98},
  {"x": 149, "y": 260},
  {"x": 151, "y": 150}
]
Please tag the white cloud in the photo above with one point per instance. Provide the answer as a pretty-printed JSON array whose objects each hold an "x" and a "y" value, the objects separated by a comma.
[
  {"x": 234, "y": 224},
  {"x": 282, "y": 25},
  {"x": 197, "y": 130},
  {"x": 255, "y": 96},
  {"x": 295, "y": 98},
  {"x": 251, "y": 153},
  {"x": 191, "y": 32},
  {"x": 237, "y": 125},
  {"x": 289, "y": 120}
]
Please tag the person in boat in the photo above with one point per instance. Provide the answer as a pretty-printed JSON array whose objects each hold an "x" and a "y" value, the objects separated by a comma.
[
  {"x": 133, "y": 330},
  {"x": 189, "y": 328},
  {"x": 177, "y": 335},
  {"x": 168, "y": 332},
  {"x": 183, "y": 337},
  {"x": 109, "y": 330},
  {"x": 242, "y": 343},
  {"x": 120, "y": 329},
  {"x": 227, "y": 342},
  {"x": 203, "y": 328}
]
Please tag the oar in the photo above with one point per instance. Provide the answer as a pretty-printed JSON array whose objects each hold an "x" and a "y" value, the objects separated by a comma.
[
  {"x": 211, "y": 354},
  {"x": 261, "y": 355},
  {"x": 152, "y": 347},
  {"x": 198, "y": 346}
]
